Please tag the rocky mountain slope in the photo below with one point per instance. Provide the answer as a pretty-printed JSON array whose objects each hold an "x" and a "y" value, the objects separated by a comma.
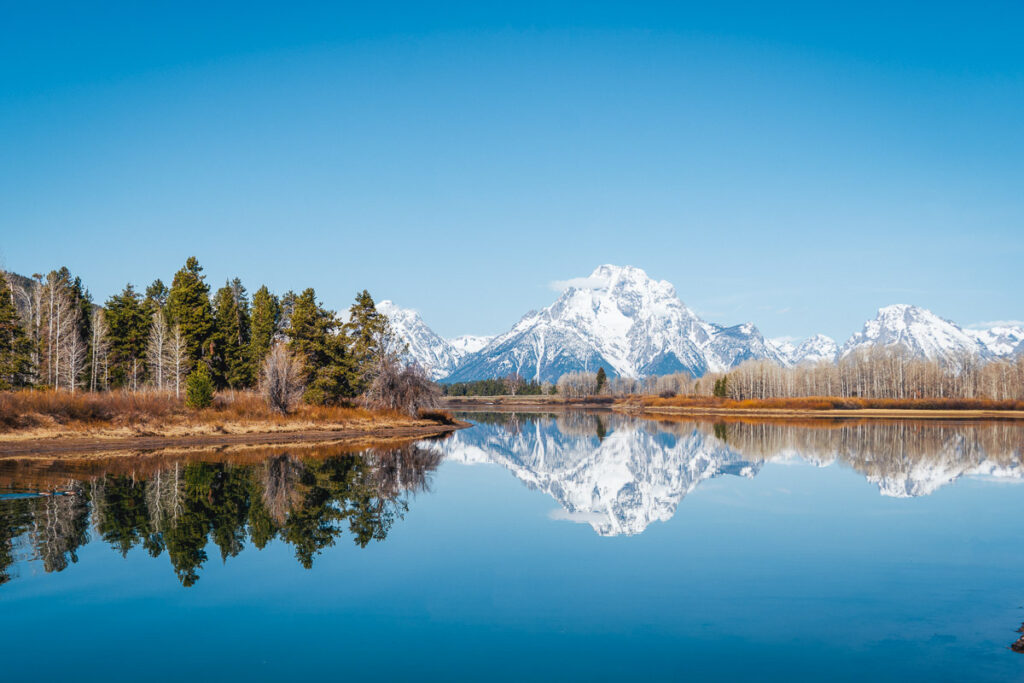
[{"x": 622, "y": 320}]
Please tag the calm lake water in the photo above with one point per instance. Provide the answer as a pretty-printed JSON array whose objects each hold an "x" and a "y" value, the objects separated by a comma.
[{"x": 578, "y": 546}]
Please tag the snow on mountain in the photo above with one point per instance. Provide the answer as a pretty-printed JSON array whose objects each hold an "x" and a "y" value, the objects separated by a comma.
[
  {"x": 814, "y": 349},
  {"x": 619, "y": 319},
  {"x": 424, "y": 346},
  {"x": 1002, "y": 340},
  {"x": 437, "y": 355},
  {"x": 470, "y": 343},
  {"x": 918, "y": 330}
]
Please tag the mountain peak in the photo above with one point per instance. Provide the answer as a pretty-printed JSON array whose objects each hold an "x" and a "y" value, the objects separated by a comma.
[{"x": 917, "y": 330}]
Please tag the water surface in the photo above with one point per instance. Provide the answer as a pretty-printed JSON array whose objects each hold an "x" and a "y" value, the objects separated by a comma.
[{"x": 574, "y": 546}]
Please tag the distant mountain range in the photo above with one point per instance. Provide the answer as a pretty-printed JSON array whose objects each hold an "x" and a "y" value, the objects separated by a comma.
[{"x": 620, "y": 319}]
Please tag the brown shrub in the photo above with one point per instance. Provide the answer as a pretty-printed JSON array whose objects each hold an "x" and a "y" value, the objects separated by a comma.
[
  {"x": 836, "y": 403},
  {"x": 406, "y": 389},
  {"x": 439, "y": 416},
  {"x": 44, "y": 408}
]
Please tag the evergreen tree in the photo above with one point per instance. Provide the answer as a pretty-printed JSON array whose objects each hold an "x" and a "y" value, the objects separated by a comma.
[
  {"x": 602, "y": 378},
  {"x": 312, "y": 335},
  {"x": 188, "y": 305},
  {"x": 156, "y": 296},
  {"x": 83, "y": 302},
  {"x": 287, "y": 305},
  {"x": 128, "y": 332},
  {"x": 230, "y": 360},
  {"x": 266, "y": 319},
  {"x": 15, "y": 346},
  {"x": 199, "y": 387},
  {"x": 370, "y": 336}
]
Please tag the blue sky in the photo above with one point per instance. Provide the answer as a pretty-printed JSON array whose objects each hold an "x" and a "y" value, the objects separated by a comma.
[{"x": 798, "y": 166}]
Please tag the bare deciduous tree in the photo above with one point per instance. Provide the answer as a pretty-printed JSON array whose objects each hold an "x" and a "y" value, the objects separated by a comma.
[
  {"x": 68, "y": 348},
  {"x": 100, "y": 351},
  {"x": 406, "y": 388},
  {"x": 158, "y": 351},
  {"x": 577, "y": 384},
  {"x": 177, "y": 359},
  {"x": 281, "y": 378}
]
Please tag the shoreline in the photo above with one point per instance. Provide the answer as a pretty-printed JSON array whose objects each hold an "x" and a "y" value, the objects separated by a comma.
[
  {"x": 632, "y": 405},
  {"x": 826, "y": 414},
  {"x": 367, "y": 437}
]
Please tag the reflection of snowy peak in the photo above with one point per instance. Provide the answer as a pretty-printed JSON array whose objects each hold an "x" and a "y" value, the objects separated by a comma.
[
  {"x": 635, "y": 475},
  {"x": 636, "y": 472},
  {"x": 620, "y": 319}
]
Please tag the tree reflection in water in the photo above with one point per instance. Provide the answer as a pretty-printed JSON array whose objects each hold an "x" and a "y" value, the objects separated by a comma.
[{"x": 179, "y": 509}]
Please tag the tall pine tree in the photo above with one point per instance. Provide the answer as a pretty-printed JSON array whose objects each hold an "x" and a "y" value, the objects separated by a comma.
[
  {"x": 312, "y": 335},
  {"x": 266, "y": 321},
  {"x": 369, "y": 336},
  {"x": 188, "y": 305},
  {"x": 156, "y": 296},
  {"x": 15, "y": 346},
  {"x": 128, "y": 322},
  {"x": 230, "y": 360}
]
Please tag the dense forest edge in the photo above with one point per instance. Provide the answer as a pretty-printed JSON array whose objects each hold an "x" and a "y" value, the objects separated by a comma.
[{"x": 183, "y": 361}]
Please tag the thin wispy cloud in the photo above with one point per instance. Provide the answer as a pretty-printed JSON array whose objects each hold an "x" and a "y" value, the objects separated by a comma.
[
  {"x": 995, "y": 323},
  {"x": 578, "y": 283}
]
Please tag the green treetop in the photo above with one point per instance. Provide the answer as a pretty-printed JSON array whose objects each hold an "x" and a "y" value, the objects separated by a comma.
[
  {"x": 188, "y": 305},
  {"x": 266, "y": 318},
  {"x": 312, "y": 334},
  {"x": 128, "y": 324},
  {"x": 156, "y": 296},
  {"x": 231, "y": 336},
  {"x": 15, "y": 347},
  {"x": 369, "y": 334}
]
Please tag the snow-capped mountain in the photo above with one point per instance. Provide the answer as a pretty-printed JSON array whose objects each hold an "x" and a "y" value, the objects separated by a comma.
[
  {"x": 470, "y": 343},
  {"x": 424, "y": 346},
  {"x": 918, "y": 330},
  {"x": 619, "y": 319},
  {"x": 1001, "y": 340},
  {"x": 437, "y": 355},
  {"x": 814, "y": 349}
]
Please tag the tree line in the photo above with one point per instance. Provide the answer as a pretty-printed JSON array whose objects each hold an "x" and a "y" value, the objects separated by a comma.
[
  {"x": 53, "y": 335},
  {"x": 890, "y": 372},
  {"x": 511, "y": 385}
]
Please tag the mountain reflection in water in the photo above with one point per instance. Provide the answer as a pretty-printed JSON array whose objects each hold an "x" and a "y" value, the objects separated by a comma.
[
  {"x": 620, "y": 473},
  {"x": 177, "y": 509}
]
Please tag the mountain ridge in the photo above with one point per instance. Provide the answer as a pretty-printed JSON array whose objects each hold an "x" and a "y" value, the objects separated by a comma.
[{"x": 631, "y": 325}]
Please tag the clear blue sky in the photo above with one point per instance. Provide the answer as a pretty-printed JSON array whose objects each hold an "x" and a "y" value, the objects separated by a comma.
[{"x": 796, "y": 166}]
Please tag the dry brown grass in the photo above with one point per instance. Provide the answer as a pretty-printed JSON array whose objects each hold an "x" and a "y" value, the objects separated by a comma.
[
  {"x": 44, "y": 414},
  {"x": 833, "y": 403}
]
